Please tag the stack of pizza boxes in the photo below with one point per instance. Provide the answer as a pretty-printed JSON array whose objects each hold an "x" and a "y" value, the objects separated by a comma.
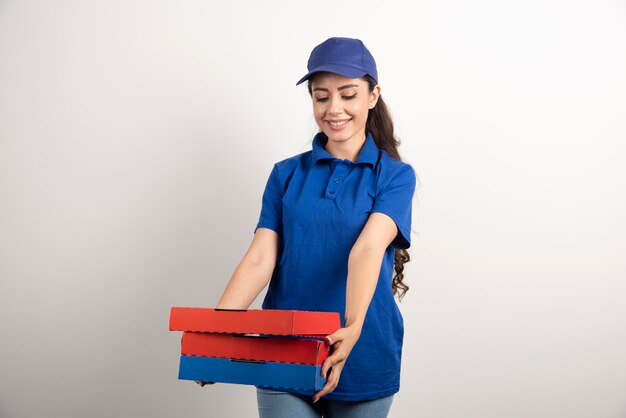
[{"x": 268, "y": 348}]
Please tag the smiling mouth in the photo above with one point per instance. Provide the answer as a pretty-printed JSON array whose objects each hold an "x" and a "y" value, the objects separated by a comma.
[{"x": 338, "y": 123}]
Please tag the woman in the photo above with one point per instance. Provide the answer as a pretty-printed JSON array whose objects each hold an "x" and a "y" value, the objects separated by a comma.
[{"x": 333, "y": 223}]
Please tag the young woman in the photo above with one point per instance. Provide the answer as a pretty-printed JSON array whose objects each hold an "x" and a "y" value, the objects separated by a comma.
[{"x": 334, "y": 227}]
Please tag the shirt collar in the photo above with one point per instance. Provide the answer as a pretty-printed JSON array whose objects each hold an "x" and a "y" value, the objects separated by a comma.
[{"x": 368, "y": 153}]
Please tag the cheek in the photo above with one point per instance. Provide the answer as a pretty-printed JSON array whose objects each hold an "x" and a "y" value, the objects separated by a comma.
[
  {"x": 360, "y": 109},
  {"x": 318, "y": 111}
]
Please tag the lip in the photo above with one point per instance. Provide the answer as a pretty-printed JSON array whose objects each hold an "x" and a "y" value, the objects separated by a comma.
[{"x": 340, "y": 127}]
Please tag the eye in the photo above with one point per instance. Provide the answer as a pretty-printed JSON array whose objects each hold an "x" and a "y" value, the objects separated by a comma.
[
  {"x": 350, "y": 97},
  {"x": 321, "y": 99}
]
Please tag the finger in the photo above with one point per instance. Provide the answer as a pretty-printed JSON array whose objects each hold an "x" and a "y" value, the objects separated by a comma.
[
  {"x": 325, "y": 391},
  {"x": 337, "y": 357},
  {"x": 328, "y": 363},
  {"x": 331, "y": 384},
  {"x": 332, "y": 381},
  {"x": 335, "y": 336}
]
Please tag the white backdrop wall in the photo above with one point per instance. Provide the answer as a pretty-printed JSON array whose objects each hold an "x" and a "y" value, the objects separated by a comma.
[{"x": 136, "y": 138}]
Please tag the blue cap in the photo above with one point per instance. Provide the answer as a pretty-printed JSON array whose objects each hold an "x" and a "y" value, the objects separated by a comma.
[{"x": 344, "y": 56}]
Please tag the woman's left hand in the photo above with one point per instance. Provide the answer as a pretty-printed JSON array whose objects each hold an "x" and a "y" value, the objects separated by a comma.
[{"x": 342, "y": 342}]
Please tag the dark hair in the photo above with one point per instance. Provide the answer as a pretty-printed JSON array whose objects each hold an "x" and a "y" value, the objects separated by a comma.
[{"x": 380, "y": 125}]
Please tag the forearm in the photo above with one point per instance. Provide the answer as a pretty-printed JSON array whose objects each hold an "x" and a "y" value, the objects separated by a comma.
[
  {"x": 363, "y": 271},
  {"x": 246, "y": 283}
]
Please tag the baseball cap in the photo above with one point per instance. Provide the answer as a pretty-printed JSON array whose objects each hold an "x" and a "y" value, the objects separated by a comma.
[{"x": 344, "y": 56}]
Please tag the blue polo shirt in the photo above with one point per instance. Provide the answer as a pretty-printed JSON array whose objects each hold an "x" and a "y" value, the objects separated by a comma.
[{"x": 318, "y": 205}]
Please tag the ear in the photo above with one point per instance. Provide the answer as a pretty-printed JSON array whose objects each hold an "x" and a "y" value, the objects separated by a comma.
[{"x": 374, "y": 96}]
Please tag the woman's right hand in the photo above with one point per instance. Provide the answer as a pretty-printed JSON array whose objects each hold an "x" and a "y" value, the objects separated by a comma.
[{"x": 204, "y": 383}]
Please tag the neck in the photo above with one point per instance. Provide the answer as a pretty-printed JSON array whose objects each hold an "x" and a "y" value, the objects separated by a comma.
[{"x": 348, "y": 149}]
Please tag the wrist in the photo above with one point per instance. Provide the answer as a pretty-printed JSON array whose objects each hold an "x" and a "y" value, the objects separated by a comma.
[{"x": 354, "y": 327}]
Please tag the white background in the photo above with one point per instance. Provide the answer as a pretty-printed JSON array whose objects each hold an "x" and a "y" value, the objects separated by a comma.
[{"x": 136, "y": 138}]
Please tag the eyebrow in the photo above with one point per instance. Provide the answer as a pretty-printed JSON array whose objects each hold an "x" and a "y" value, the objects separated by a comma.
[{"x": 340, "y": 88}]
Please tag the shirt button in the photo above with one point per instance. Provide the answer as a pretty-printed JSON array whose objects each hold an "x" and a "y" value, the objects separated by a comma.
[
  {"x": 331, "y": 192},
  {"x": 337, "y": 180}
]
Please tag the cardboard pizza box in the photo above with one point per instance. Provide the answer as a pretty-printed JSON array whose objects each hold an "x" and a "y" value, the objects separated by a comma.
[
  {"x": 261, "y": 348},
  {"x": 254, "y": 321},
  {"x": 266, "y": 374}
]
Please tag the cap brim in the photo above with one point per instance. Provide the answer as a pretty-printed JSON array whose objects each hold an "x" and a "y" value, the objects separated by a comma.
[{"x": 334, "y": 68}]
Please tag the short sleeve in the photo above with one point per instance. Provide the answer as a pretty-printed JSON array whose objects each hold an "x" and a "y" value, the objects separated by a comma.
[
  {"x": 395, "y": 201},
  {"x": 272, "y": 205}
]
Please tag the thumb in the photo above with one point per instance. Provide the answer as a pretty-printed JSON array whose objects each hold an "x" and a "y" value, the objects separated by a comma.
[{"x": 334, "y": 337}]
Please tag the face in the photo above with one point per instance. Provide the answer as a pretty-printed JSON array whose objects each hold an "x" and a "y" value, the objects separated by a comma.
[{"x": 341, "y": 106}]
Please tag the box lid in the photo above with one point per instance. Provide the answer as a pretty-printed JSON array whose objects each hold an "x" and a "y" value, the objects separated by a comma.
[{"x": 254, "y": 321}]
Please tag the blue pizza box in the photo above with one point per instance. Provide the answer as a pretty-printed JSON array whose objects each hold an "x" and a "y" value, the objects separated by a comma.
[{"x": 267, "y": 374}]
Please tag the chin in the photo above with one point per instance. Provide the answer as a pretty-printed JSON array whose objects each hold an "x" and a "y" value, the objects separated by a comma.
[{"x": 338, "y": 137}]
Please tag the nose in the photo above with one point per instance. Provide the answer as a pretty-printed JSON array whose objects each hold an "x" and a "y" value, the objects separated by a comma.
[{"x": 335, "y": 107}]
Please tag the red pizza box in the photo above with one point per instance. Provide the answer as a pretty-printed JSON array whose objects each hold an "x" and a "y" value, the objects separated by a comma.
[
  {"x": 254, "y": 321},
  {"x": 258, "y": 348}
]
